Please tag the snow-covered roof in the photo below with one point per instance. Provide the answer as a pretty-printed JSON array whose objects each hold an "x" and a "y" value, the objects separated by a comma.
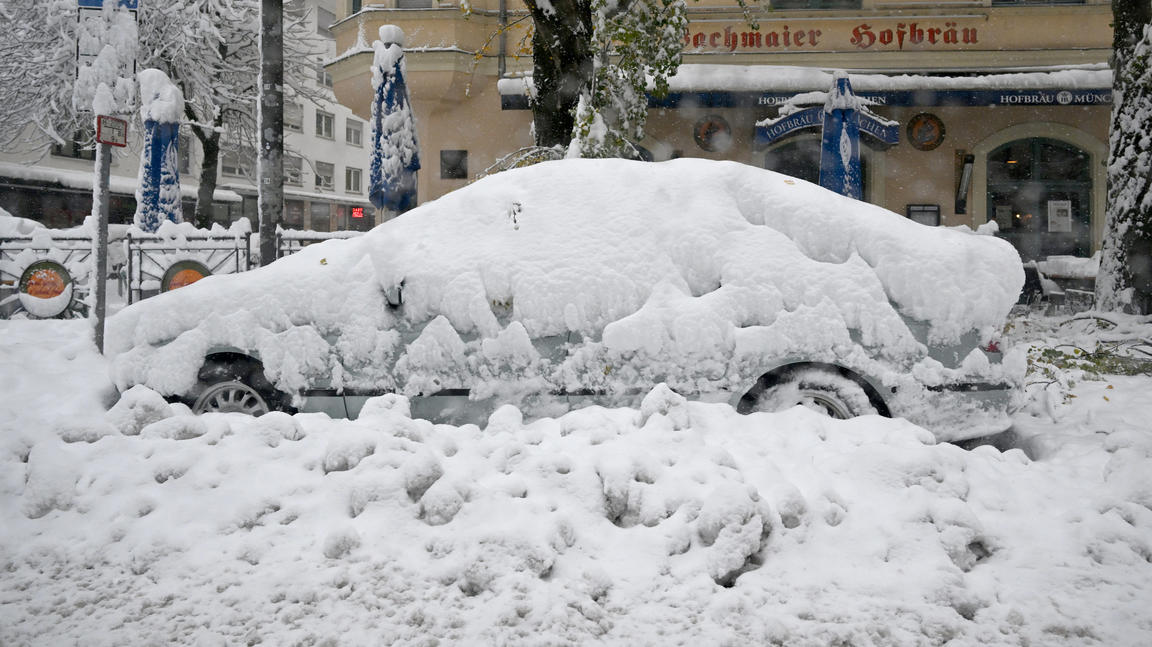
[{"x": 780, "y": 78}]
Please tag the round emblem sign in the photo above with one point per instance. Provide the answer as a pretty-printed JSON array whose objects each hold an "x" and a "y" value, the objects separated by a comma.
[
  {"x": 713, "y": 134},
  {"x": 183, "y": 273},
  {"x": 925, "y": 131}
]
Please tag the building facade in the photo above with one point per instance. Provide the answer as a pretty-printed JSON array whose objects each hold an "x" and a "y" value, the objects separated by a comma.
[
  {"x": 326, "y": 161},
  {"x": 1003, "y": 106}
]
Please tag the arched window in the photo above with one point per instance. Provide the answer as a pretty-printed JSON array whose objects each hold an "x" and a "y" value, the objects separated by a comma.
[
  {"x": 800, "y": 158},
  {"x": 1039, "y": 193}
]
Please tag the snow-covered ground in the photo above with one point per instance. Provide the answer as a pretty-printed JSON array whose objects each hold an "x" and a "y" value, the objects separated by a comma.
[{"x": 678, "y": 523}]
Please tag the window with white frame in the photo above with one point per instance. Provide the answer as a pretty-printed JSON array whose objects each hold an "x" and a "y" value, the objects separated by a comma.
[
  {"x": 352, "y": 180},
  {"x": 323, "y": 77},
  {"x": 354, "y": 132},
  {"x": 324, "y": 19},
  {"x": 325, "y": 124},
  {"x": 293, "y": 170},
  {"x": 238, "y": 163},
  {"x": 294, "y": 117},
  {"x": 324, "y": 175}
]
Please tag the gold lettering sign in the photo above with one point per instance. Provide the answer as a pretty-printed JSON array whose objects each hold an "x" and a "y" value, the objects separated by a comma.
[{"x": 861, "y": 36}]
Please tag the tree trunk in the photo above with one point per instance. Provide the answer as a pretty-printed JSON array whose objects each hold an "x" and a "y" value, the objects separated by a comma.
[
  {"x": 562, "y": 58},
  {"x": 210, "y": 145},
  {"x": 1125, "y": 279}
]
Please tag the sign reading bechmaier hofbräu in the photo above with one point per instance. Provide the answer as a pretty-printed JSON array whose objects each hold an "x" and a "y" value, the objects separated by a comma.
[{"x": 893, "y": 34}]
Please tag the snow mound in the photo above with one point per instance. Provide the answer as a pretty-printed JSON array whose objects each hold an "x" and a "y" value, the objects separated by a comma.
[{"x": 783, "y": 528}]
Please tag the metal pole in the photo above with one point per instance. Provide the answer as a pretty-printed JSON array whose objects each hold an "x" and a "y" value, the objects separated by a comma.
[
  {"x": 104, "y": 166},
  {"x": 270, "y": 170}
]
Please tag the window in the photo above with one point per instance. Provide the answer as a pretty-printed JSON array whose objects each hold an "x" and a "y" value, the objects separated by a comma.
[
  {"x": 76, "y": 148},
  {"x": 293, "y": 217},
  {"x": 322, "y": 76},
  {"x": 324, "y": 124},
  {"x": 925, "y": 214},
  {"x": 324, "y": 173},
  {"x": 352, "y": 180},
  {"x": 237, "y": 163},
  {"x": 353, "y": 132},
  {"x": 184, "y": 150},
  {"x": 354, "y": 6},
  {"x": 294, "y": 117},
  {"x": 453, "y": 165},
  {"x": 415, "y": 4},
  {"x": 293, "y": 170},
  {"x": 1039, "y": 194},
  {"x": 324, "y": 19},
  {"x": 815, "y": 4}
]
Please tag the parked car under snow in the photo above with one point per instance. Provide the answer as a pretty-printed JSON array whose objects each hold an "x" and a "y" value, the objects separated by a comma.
[{"x": 592, "y": 281}]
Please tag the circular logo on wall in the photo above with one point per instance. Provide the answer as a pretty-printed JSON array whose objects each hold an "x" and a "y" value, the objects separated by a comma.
[
  {"x": 713, "y": 134},
  {"x": 1064, "y": 97},
  {"x": 925, "y": 131}
]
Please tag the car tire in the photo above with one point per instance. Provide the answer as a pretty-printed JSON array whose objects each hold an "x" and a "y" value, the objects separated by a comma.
[
  {"x": 236, "y": 387},
  {"x": 824, "y": 390}
]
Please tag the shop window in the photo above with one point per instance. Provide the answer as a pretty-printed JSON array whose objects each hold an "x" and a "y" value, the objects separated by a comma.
[
  {"x": 79, "y": 148},
  {"x": 324, "y": 175},
  {"x": 293, "y": 170},
  {"x": 352, "y": 180},
  {"x": 294, "y": 117},
  {"x": 1039, "y": 195},
  {"x": 320, "y": 217},
  {"x": 815, "y": 4},
  {"x": 293, "y": 217},
  {"x": 325, "y": 124},
  {"x": 354, "y": 6},
  {"x": 1003, "y": 3},
  {"x": 354, "y": 132},
  {"x": 453, "y": 165},
  {"x": 415, "y": 4}
]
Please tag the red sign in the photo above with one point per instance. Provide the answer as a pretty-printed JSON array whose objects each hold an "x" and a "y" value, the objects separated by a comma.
[
  {"x": 357, "y": 212},
  {"x": 111, "y": 131}
]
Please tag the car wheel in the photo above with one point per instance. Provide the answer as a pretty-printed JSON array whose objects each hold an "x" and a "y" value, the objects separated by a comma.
[
  {"x": 236, "y": 384},
  {"x": 823, "y": 390},
  {"x": 231, "y": 397}
]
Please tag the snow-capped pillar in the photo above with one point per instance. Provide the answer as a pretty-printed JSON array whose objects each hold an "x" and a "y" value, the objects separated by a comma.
[
  {"x": 395, "y": 151},
  {"x": 840, "y": 144},
  {"x": 158, "y": 192}
]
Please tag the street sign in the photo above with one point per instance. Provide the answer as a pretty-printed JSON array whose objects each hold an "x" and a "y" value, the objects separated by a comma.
[{"x": 111, "y": 131}]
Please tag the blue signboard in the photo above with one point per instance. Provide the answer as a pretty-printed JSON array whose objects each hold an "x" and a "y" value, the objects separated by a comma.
[
  {"x": 880, "y": 129},
  {"x": 902, "y": 98},
  {"x": 99, "y": 4}
]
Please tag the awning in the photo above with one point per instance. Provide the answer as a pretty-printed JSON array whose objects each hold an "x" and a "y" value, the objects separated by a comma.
[{"x": 733, "y": 86}]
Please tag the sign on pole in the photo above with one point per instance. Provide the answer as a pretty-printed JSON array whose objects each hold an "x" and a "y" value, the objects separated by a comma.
[{"x": 111, "y": 131}]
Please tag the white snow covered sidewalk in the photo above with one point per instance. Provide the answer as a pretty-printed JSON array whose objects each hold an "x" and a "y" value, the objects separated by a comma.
[{"x": 679, "y": 523}]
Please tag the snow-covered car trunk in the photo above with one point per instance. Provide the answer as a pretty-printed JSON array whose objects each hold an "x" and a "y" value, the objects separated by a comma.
[{"x": 596, "y": 279}]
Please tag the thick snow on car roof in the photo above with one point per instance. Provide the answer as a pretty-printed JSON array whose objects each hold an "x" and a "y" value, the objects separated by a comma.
[
  {"x": 601, "y": 235},
  {"x": 676, "y": 260}
]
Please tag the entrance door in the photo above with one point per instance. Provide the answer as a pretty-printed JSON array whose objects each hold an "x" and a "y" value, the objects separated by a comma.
[{"x": 1039, "y": 193}]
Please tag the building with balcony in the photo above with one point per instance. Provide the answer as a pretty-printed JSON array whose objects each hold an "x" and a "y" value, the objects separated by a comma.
[
  {"x": 326, "y": 161},
  {"x": 1003, "y": 106}
]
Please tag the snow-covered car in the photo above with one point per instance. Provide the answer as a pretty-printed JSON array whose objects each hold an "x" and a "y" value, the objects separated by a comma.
[{"x": 581, "y": 281}]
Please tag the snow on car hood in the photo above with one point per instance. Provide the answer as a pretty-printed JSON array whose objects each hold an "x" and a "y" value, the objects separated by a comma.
[{"x": 677, "y": 259}]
